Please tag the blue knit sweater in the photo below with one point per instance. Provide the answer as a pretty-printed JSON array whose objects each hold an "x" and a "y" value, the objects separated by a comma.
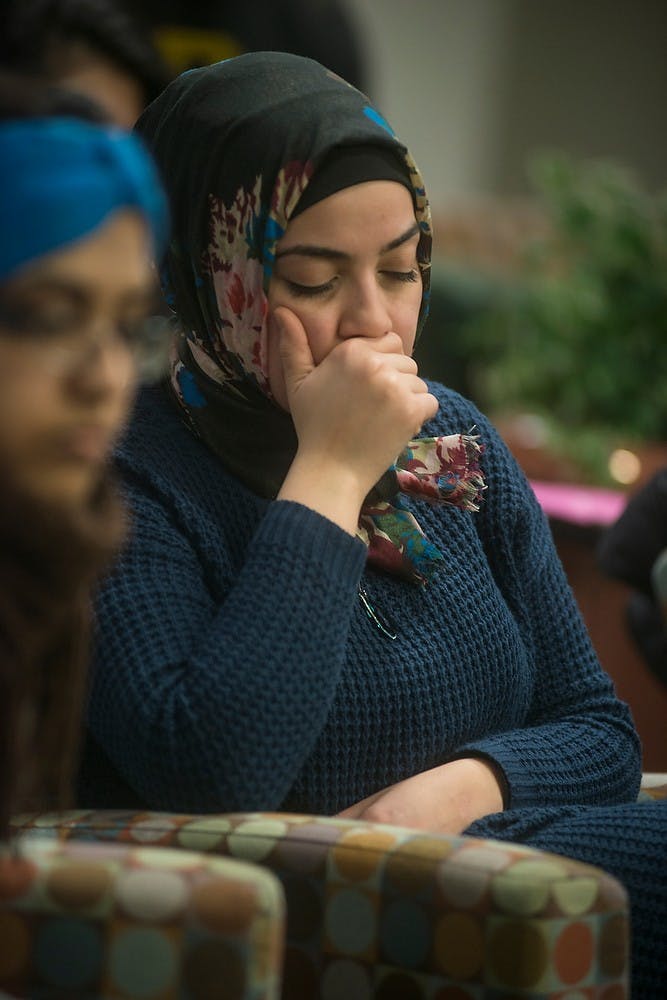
[{"x": 236, "y": 668}]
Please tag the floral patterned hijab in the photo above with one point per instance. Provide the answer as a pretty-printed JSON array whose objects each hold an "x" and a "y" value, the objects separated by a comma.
[{"x": 238, "y": 143}]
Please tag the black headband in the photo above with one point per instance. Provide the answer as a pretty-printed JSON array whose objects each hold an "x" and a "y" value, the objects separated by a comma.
[{"x": 349, "y": 165}]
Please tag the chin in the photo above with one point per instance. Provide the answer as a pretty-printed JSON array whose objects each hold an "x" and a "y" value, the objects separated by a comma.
[{"x": 69, "y": 489}]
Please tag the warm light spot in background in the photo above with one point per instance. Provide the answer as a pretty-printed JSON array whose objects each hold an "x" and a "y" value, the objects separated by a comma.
[{"x": 624, "y": 466}]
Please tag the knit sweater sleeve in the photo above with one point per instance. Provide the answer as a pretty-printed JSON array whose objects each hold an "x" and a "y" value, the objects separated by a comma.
[
  {"x": 215, "y": 706},
  {"x": 578, "y": 743}
]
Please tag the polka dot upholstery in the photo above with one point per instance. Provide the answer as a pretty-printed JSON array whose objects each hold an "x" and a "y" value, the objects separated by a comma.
[
  {"x": 393, "y": 914},
  {"x": 113, "y": 921}
]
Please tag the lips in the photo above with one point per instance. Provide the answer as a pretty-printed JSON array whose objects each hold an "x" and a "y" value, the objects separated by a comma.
[{"x": 87, "y": 443}]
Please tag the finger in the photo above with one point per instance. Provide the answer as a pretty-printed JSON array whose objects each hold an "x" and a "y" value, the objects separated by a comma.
[
  {"x": 295, "y": 353},
  {"x": 388, "y": 343},
  {"x": 426, "y": 407},
  {"x": 354, "y": 811},
  {"x": 431, "y": 404},
  {"x": 400, "y": 363},
  {"x": 410, "y": 383}
]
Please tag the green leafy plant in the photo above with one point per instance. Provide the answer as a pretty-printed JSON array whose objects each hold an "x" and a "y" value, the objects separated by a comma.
[{"x": 582, "y": 339}]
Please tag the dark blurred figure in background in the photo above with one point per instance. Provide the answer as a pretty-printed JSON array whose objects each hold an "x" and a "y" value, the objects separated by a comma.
[
  {"x": 194, "y": 34},
  {"x": 81, "y": 211},
  {"x": 123, "y": 58},
  {"x": 632, "y": 551},
  {"x": 93, "y": 47}
]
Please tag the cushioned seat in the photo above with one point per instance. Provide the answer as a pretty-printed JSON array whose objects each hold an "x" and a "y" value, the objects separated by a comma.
[
  {"x": 384, "y": 912},
  {"x": 84, "y": 920}
]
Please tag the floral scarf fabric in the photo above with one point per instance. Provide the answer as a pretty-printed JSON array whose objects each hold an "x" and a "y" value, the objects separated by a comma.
[{"x": 237, "y": 144}]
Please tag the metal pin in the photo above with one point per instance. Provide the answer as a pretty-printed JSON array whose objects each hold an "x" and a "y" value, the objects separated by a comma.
[{"x": 375, "y": 616}]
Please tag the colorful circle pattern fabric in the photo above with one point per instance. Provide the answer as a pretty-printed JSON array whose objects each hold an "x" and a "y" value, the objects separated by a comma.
[
  {"x": 81, "y": 920},
  {"x": 380, "y": 912}
]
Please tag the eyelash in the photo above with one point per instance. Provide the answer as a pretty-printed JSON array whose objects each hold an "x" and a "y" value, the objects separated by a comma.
[{"x": 313, "y": 291}]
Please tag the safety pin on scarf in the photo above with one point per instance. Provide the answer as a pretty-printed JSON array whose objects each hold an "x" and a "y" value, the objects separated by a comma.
[{"x": 375, "y": 616}]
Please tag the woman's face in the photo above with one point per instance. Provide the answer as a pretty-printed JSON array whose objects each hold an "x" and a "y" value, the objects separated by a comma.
[
  {"x": 67, "y": 369},
  {"x": 347, "y": 266}
]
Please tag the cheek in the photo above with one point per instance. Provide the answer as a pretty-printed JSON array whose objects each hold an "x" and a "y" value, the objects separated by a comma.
[
  {"x": 122, "y": 411},
  {"x": 126, "y": 387},
  {"x": 406, "y": 316},
  {"x": 26, "y": 400},
  {"x": 28, "y": 411}
]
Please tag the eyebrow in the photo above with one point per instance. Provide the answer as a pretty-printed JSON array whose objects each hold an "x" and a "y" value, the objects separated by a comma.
[
  {"x": 328, "y": 253},
  {"x": 147, "y": 295}
]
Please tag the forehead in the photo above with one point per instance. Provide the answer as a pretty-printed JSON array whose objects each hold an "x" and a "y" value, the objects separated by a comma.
[{"x": 364, "y": 215}]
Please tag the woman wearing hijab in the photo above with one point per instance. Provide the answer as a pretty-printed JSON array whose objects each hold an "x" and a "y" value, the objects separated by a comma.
[
  {"x": 81, "y": 214},
  {"x": 303, "y": 621}
]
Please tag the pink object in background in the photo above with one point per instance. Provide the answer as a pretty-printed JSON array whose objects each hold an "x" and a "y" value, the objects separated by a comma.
[{"x": 583, "y": 505}]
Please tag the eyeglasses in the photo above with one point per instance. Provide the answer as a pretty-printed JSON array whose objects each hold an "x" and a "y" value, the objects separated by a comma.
[{"x": 63, "y": 339}]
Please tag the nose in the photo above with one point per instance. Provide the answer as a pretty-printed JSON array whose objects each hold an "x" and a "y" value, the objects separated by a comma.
[
  {"x": 365, "y": 312},
  {"x": 104, "y": 368}
]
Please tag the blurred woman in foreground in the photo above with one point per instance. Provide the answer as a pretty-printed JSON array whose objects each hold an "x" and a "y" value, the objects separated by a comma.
[{"x": 81, "y": 213}]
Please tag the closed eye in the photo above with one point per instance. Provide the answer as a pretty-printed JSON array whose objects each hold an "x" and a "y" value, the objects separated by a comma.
[
  {"x": 402, "y": 275},
  {"x": 313, "y": 291},
  {"x": 310, "y": 290}
]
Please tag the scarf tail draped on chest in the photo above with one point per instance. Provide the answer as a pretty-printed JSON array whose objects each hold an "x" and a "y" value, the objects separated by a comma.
[{"x": 443, "y": 471}]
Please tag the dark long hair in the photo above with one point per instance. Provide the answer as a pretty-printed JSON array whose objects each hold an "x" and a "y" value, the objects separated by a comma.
[{"x": 50, "y": 559}]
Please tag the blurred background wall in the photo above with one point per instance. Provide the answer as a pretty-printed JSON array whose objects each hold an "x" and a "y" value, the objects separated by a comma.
[{"x": 476, "y": 85}]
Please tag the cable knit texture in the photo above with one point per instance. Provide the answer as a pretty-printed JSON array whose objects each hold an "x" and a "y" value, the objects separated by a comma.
[{"x": 236, "y": 668}]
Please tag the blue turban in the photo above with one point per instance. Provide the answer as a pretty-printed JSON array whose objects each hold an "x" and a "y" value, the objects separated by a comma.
[{"x": 61, "y": 178}]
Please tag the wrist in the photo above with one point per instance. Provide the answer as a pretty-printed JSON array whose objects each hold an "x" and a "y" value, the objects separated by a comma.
[
  {"x": 490, "y": 786},
  {"x": 471, "y": 789},
  {"x": 327, "y": 487}
]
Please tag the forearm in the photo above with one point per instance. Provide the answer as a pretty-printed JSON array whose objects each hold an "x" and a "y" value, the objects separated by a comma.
[
  {"x": 444, "y": 799},
  {"x": 594, "y": 760}
]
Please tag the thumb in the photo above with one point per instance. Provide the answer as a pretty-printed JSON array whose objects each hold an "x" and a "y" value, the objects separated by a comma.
[{"x": 295, "y": 353}]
